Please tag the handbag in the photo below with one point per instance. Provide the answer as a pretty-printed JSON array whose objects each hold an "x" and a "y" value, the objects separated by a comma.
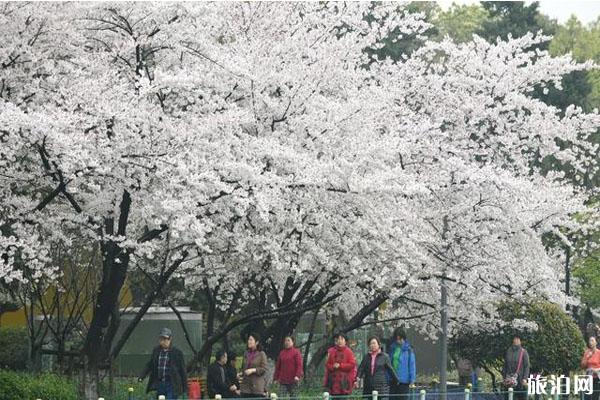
[{"x": 512, "y": 380}]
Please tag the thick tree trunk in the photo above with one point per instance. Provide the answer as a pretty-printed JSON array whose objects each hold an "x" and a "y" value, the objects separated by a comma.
[
  {"x": 89, "y": 381},
  {"x": 115, "y": 262},
  {"x": 277, "y": 331}
]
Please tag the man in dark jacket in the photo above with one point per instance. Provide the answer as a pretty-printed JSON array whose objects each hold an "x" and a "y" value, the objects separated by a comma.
[
  {"x": 166, "y": 367},
  {"x": 231, "y": 373},
  {"x": 512, "y": 366},
  {"x": 216, "y": 378}
]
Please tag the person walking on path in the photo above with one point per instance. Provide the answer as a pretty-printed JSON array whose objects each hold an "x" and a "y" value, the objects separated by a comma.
[
  {"x": 340, "y": 369},
  {"x": 403, "y": 361},
  {"x": 590, "y": 362},
  {"x": 166, "y": 367},
  {"x": 376, "y": 371},
  {"x": 254, "y": 382},
  {"x": 216, "y": 378},
  {"x": 516, "y": 368},
  {"x": 288, "y": 369}
]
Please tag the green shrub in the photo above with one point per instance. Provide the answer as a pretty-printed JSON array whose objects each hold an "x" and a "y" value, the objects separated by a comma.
[
  {"x": 12, "y": 386},
  {"x": 555, "y": 347},
  {"x": 14, "y": 348},
  {"x": 20, "y": 386},
  {"x": 51, "y": 387},
  {"x": 121, "y": 387}
]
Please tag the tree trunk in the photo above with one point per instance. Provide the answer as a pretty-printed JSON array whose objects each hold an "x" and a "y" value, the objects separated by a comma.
[
  {"x": 492, "y": 376},
  {"x": 224, "y": 329},
  {"x": 35, "y": 350},
  {"x": 568, "y": 276},
  {"x": 150, "y": 298},
  {"x": 226, "y": 344},
  {"x": 115, "y": 262},
  {"x": 352, "y": 324},
  {"x": 111, "y": 380},
  {"x": 89, "y": 381},
  {"x": 60, "y": 356},
  {"x": 277, "y": 331},
  {"x": 311, "y": 334}
]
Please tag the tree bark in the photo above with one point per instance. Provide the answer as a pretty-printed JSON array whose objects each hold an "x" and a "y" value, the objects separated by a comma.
[
  {"x": 311, "y": 334},
  {"x": 114, "y": 271},
  {"x": 352, "y": 324}
]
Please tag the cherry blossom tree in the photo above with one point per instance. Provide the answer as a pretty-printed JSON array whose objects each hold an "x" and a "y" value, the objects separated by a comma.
[
  {"x": 144, "y": 129},
  {"x": 258, "y": 149},
  {"x": 472, "y": 137}
]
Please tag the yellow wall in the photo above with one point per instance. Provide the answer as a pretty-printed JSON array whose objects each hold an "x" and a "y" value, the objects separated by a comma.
[
  {"x": 13, "y": 318},
  {"x": 18, "y": 318}
]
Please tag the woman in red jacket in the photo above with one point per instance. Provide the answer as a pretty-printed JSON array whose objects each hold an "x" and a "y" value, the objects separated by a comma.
[
  {"x": 288, "y": 369},
  {"x": 340, "y": 370},
  {"x": 590, "y": 362}
]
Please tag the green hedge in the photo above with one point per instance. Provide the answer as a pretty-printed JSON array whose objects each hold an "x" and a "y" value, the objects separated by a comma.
[
  {"x": 19, "y": 386},
  {"x": 555, "y": 347},
  {"x": 14, "y": 348}
]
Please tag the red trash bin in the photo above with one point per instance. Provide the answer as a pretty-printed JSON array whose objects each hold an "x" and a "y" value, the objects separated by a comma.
[{"x": 194, "y": 389}]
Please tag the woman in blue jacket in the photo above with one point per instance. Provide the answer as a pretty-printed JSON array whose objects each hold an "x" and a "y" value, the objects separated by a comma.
[{"x": 403, "y": 361}]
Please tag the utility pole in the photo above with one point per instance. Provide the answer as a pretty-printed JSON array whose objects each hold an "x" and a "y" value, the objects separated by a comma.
[
  {"x": 444, "y": 339},
  {"x": 444, "y": 323}
]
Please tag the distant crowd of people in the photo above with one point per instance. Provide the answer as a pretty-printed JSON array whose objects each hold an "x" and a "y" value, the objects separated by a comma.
[{"x": 390, "y": 373}]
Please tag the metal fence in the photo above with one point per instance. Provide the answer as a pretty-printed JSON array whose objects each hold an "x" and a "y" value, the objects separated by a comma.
[{"x": 414, "y": 394}]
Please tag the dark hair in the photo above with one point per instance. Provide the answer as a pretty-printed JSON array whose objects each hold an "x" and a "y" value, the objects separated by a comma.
[
  {"x": 516, "y": 335},
  {"x": 399, "y": 333},
  {"x": 219, "y": 354},
  {"x": 374, "y": 338},
  {"x": 256, "y": 338},
  {"x": 291, "y": 337},
  {"x": 231, "y": 356},
  {"x": 340, "y": 334}
]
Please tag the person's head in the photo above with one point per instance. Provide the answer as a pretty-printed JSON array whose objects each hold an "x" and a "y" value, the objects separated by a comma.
[
  {"x": 164, "y": 338},
  {"x": 399, "y": 335},
  {"x": 374, "y": 344},
  {"x": 516, "y": 340},
  {"x": 340, "y": 339},
  {"x": 231, "y": 358},
  {"x": 592, "y": 342},
  {"x": 253, "y": 341},
  {"x": 221, "y": 357},
  {"x": 288, "y": 342}
]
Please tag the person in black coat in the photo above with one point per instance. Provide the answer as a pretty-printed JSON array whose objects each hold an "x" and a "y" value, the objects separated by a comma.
[
  {"x": 376, "y": 371},
  {"x": 216, "y": 378},
  {"x": 231, "y": 374},
  {"x": 166, "y": 367}
]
